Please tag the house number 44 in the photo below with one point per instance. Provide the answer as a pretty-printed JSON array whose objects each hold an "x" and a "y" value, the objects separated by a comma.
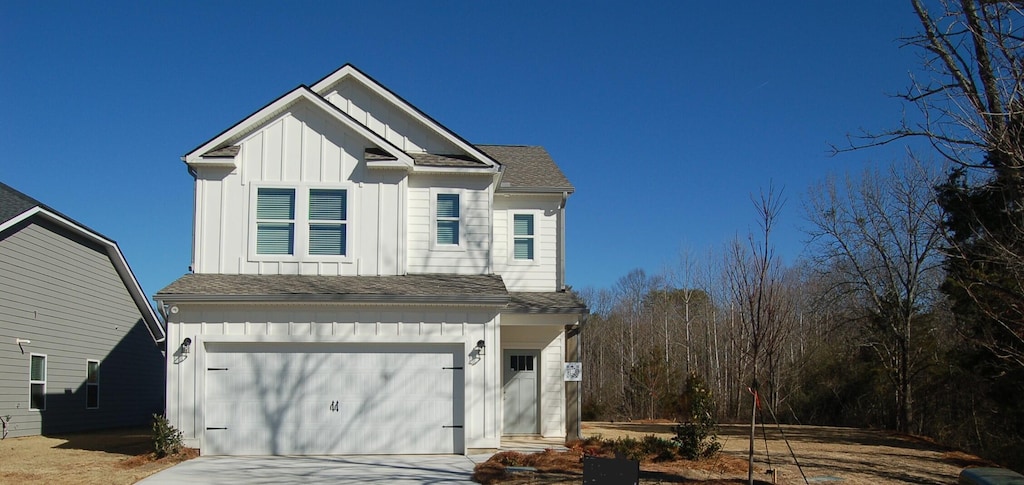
[{"x": 335, "y": 405}]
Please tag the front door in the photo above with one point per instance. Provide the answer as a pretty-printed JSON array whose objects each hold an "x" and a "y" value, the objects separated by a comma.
[{"x": 520, "y": 390}]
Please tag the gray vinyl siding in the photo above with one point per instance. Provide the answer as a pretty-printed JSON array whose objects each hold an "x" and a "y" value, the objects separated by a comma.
[{"x": 65, "y": 295}]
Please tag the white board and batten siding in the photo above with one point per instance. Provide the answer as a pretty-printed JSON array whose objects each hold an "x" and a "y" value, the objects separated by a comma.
[
  {"x": 379, "y": 340},
  {"x": 539, "y": 274},
  {"x": 388, "y": 121},
  {"x": 301, "y": 148}
]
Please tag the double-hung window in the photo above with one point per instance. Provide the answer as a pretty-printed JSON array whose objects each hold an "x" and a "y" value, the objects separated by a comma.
[
  {"x": 92, "y": 384},
  {"x": 328, "y": 216},
  {"x": 447, "y": 219},
  {"x": 37, "y": 382},
  {"x": 523, "y": 237},
  {"x": 275, "y": 221}
]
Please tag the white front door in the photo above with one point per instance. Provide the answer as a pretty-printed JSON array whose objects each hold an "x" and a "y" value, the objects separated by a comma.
[
  {"x": 305, "y": 399},
  {"x": 520, "y": 384}
]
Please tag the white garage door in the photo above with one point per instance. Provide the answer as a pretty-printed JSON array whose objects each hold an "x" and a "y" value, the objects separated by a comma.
[{"x": 308, "y": 399}]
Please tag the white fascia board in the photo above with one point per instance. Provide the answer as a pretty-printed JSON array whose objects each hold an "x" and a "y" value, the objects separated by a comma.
[
  {"x": 195, "y": 157},
  {"x": 457, "y": 170},
  {"x": 124, "y": 271},
  {"x": 349, "y": 70}
]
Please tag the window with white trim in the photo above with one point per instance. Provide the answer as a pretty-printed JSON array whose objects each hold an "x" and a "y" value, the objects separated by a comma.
[
  {"x": 275, "y": 221},
  {"x": 92, "y": 384},
  {"x": 295, "y": 222},
  {"x": 523, "y": 237},
  {"x": 447, "y": 212},
  {"x": 37, "y": 382},
  {"x": 328, "y": 217}
]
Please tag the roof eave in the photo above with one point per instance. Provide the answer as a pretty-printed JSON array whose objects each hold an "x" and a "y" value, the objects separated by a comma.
[
  {"x": 536, "y": 190},
  {"x": 476, "y": 300}
]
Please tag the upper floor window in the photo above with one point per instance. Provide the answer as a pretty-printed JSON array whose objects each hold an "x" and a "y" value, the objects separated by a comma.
[
  {"x": 292, "y": 222},
  {"x": 523, "y": 237},
  {"x": 447, "y": 219},
  {"x": 328, "y": 216},
  {"x": 275, "y": 221}
]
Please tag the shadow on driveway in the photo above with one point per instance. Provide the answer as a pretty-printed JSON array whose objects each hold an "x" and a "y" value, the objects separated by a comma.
[{"x": 400, "y": 469}]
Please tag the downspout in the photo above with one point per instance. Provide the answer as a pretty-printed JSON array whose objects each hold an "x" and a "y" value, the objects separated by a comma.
[{"x": 560, "y": 270}]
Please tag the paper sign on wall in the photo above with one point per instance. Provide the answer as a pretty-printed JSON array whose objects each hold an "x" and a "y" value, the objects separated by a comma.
[{"x": 573, "y": 371}]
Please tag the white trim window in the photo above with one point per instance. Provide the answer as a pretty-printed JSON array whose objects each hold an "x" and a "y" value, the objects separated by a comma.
[
  {"x": 523, "y": 237},
  {"x": 295, "y": 224},
  {"x": 92, "y": 384},
  {"x": 328, "y": 222},
  {"x": 275, "y": 221},
  {"x": 447, "y": 219},
  {"x": 37, "y": 382}
]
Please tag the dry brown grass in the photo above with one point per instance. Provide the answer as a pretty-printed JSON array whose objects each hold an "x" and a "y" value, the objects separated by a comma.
[
  {"x": 107, "y": 457},
  {"x": 854, "y": 456}
]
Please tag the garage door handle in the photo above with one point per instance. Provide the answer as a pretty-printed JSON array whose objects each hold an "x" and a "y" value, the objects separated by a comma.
[
  {"x": 451, "y": 368},
  {"x": 216, "y": 368},
  {"x": 455, "y": 426},
  {"x": 214, "y": 428}
]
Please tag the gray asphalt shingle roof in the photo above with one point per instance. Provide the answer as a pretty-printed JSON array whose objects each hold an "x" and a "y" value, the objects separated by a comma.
[
  {"x": 423, "y": 288},
  {"x": 13, "y": 203},
  {"x": 415, "y": 288},
  {"x": 546, "y": 302},
  {"x": 527, "y": 168}
]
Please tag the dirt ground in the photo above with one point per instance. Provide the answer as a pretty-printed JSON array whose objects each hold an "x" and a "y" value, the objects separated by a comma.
[
  {"x": 108, "y": 457},
  {"x": 826, "y": 454}
]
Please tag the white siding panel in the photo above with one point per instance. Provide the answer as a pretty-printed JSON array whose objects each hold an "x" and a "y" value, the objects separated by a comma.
[
  {"x": 540, "y": 274},
  {"x": 387, "y": 121},
  {"x": 301, "y": 148}
]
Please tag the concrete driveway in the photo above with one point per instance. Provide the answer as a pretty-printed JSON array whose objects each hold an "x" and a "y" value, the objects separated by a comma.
[{"x": 400, "y": 469}]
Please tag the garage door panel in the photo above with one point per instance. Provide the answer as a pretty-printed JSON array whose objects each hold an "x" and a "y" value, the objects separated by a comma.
[{"x": 338, "y": 400}]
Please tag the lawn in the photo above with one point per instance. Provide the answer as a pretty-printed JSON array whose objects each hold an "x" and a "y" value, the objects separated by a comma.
[{"x": 121, "y": 456}]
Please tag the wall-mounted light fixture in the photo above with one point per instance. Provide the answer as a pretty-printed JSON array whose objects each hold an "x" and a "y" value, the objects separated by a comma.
[
  {"x": 185, "y": 344},
  {"x": 480, "y": 347}
]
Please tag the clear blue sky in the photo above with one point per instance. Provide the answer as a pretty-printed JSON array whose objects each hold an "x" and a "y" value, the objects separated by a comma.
[{"x": 666, "y": 116}]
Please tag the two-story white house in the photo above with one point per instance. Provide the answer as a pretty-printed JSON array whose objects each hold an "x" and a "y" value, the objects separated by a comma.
[{"x": 364, "y": 280}]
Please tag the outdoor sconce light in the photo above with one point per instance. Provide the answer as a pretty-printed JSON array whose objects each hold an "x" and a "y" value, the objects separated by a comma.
[
  {"x": 185, "y": 344},
  {"x": 480, "y": 348}
]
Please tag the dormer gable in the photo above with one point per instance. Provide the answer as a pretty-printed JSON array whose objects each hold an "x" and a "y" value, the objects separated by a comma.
[
  {"x": 432, "y": 145},
  {"x": 222, "y": 151}
]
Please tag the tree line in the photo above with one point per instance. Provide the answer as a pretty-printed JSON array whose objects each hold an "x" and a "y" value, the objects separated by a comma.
[{"x": 907, "y": 310}]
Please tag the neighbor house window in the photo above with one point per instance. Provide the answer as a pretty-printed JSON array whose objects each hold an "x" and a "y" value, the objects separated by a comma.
[
  {"x": 92, "y": 384},
  {"x": 328, "y": 216},
  {"x": 522, "y": 229},
  {"x": 447, "y": 216},
  {"x": 275, "y": 221},
  {"x": 37, "y": 382}
]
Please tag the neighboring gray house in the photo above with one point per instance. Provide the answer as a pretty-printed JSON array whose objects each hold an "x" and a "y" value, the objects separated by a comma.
[{"x": 80, "y": 345}]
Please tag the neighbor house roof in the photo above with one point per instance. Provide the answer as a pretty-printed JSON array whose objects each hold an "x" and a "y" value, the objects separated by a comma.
[
  {"x": 423, "y": 288},
  {"x": 16, "y": 207},
  {"x": 527, "y": 169}
]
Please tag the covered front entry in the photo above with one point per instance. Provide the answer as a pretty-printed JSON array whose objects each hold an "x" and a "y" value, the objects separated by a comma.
[
  {"x": 520, "y": 389},
  {"x": 319, "y": 398}
]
